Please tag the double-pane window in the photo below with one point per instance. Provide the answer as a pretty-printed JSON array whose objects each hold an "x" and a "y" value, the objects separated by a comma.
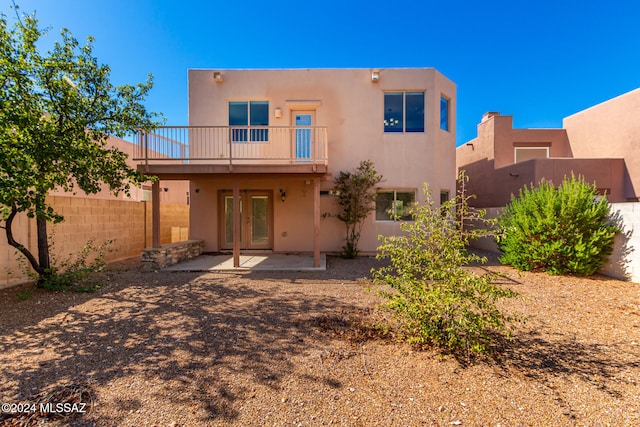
[
  {"x": 249, "y": 121},
  {"x": 394, "y": 205},
  {"x": 404, "y": 112}
]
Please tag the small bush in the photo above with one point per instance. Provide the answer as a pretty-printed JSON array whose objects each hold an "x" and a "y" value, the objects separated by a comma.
[
  {"x": 23, "y": 296},
  {"x": 436, "y": 298},
  {"x": 356, "y": 197},
  {"x": 74, "y": 272},
  {"x": 558, "y": 230}
]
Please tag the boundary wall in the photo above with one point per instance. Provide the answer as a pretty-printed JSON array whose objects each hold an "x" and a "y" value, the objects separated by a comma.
[
  {"x": 126, "y": 222},
  {"x": 624, "y": 262}
]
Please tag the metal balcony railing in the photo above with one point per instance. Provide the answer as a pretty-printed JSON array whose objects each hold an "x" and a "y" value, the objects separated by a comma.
[{"x": 233, "y": 145}]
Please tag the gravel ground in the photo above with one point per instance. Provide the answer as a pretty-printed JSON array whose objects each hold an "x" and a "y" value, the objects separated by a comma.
[{"x": 253, "y": 349}]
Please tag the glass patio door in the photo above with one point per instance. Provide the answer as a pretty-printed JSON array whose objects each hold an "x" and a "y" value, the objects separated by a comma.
[{"x": 255, "y": 220}]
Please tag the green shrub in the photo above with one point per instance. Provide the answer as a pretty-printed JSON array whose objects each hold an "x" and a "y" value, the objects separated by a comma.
[
  {"x": 558, "y": 230},
  {"x": 356, "y": 193},
  {"x": 436, "y": 298},
  {"x": 75, "y": 271}
]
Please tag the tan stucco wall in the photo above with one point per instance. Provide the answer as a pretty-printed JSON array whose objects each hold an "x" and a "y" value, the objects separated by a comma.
[
  {"x": 128, "y": 223},
  {"x": 292, "y": 219},
  {"x": 610, "y": 129},
  {"x": 352, "y": 107}
]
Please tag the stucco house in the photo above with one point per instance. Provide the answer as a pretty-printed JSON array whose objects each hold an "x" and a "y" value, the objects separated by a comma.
[
  {"x": 599, "y": 143},
  {"x": 262, "y": 149}
]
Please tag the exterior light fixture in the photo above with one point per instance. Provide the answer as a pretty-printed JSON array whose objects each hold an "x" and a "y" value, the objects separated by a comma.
[
  {"x": 277, "y": 113},
  {"x": 375, "y": 76},
  {"x": 283, "y": 195},
  {"x": 217, "y": 76}
]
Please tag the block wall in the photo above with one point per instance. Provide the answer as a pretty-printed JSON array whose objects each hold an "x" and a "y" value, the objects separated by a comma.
[
  {"x": 127, "y": 223},
  {"x": 624, "y": 262}
]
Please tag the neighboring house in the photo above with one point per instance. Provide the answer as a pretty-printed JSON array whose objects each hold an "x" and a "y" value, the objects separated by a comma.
[
  {"x": 599, "y": 143},
  {"x": 263, "y": 147}
]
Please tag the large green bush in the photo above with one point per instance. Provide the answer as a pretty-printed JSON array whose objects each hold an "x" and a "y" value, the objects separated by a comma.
[
  {"x": 558, "y": 230},
  {"x": 435, "y": 297}
]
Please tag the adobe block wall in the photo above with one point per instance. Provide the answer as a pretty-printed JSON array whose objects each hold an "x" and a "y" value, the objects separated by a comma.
[
  {"x": 101, "y": 220},
  {"x": 127, "y": 223},
  {"x": 173, "y": 216}
]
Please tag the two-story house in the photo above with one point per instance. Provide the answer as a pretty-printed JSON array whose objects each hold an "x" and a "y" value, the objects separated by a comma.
[{"x": 263, "y": 147}]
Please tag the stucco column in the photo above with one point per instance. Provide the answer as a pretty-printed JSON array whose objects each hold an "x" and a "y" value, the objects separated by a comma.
[
  {"x": 316, "y": 222},
  {"x": 236, "y": 223},
  {"x": 155, "y": 214}
]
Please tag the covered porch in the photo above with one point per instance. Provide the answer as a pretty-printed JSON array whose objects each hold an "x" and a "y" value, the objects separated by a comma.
[
  {"x": 251, "y": 188},
  {"x": 250, "y": 214}
]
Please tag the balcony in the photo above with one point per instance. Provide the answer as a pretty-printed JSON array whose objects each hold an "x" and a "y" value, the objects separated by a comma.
[{"x": 177, "y": 150}]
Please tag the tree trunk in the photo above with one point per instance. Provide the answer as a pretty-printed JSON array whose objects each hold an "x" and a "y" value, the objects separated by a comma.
[
  {"x": 43, "y": 240},
  {"x": 43, "y": 247},
  {"x": 24, "y": 251}
]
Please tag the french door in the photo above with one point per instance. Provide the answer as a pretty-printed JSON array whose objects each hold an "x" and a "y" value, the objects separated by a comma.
[{"x": 256, "y": 222}]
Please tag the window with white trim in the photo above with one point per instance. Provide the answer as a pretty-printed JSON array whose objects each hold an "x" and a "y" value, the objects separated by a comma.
[{"x": 394, "y": 205}]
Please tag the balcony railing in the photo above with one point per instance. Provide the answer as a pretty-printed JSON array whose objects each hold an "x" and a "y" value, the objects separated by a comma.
[{"x": 248, "y": 145}]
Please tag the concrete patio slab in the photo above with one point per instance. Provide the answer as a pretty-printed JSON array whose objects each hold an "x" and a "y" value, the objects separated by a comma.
[{"x": 257, "y": 262}]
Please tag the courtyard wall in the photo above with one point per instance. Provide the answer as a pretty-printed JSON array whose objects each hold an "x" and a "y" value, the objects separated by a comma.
[{"x": 127, "y": 223}]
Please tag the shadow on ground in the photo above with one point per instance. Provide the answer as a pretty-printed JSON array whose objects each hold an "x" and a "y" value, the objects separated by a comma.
[
  {"x": 177, "y": 336},
  {"x": 185, "y": 330}
]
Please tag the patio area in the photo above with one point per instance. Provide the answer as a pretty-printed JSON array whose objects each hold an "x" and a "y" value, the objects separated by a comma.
[{"x": 255, "y": 262}]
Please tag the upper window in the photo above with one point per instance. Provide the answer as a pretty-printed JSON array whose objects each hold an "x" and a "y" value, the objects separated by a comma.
[
  {"x": 444, "y": 113},
  {"x": 522, "y": 154},
  {"x": 404, "y": 112},
  {"x": 393, "y": 205},
  {"x": 249, "y": 114}
]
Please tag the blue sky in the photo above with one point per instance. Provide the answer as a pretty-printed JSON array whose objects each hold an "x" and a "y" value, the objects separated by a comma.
[{"x": 539, "y": 61}]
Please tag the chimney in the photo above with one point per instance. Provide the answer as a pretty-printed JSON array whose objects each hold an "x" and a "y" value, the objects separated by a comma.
[{"x": 488, "y": 115}]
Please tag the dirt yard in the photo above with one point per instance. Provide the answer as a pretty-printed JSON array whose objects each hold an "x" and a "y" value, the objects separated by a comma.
[{"x": 295, "y": 349}]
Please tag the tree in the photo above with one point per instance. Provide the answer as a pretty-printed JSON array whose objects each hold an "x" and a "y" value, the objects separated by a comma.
[
  {"x": 435, "y": 296},
  {"x": 57, "y": 111},
  {"x": 567, "y": 229},
  {"x": 356, "y": 196}
]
